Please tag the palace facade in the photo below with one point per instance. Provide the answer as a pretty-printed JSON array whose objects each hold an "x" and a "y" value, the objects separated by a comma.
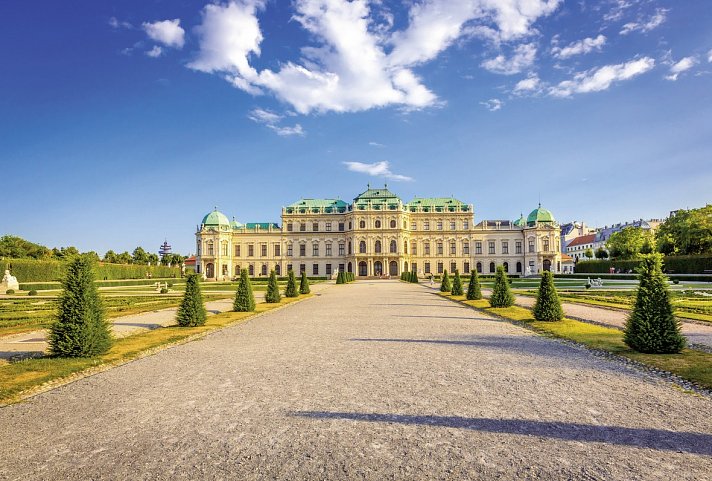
[{"x": 375, "y": 235}]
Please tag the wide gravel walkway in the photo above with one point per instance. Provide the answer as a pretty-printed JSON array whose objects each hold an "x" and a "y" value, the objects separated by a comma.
[{"x": 373, "y": 380}]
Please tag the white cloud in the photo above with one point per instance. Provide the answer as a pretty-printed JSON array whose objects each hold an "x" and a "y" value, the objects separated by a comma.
[
  {"x": 376, "y": 169},
  {"x": 681, "y": 66},
  {"x": 286, "y": 131},
  {"x": 709, "y": 56},
  {"x": 356, "y": 61},
  {"x": 166, "y": 32},
  {"x": 116, "y": 23},
  {"x": 155, "y": 52},
  {"x": 531, "y": 84},
  {"x": 492, "y": 105},
  {"x": 376, "y": 144},
  {"x": 653, "y": 22},
  {"x": 580, "y": 47},
  {"x": 523, "y": 58},
  {"x": 601, "y": 78},
  {"x": 272, "y": 121}
]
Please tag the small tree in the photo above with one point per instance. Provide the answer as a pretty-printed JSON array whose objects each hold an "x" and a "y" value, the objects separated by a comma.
[
  {"x": 192, "y": 312},
  {"x": 501, "y": 295},
  {"x": 588, "y": 253},
  {"x": 304, "y": 284},
  {"x": 272, "y": 295},
  {"x": 601, "y": 253},
  {"x": 457, "y": 284},
  {"x": 81, "y": 329},
  {"x": 651, "y": 326},
  {"x": 244, "y": 298},
  {"x": 474, "y": 291},
  {"x": 291, "y": 290},
  {"x": 548, "y": 306},
  {"x": 445, "y": 285}
]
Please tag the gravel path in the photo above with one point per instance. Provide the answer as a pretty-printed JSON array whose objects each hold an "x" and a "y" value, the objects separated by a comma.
[{"x": 373, "y": 380}]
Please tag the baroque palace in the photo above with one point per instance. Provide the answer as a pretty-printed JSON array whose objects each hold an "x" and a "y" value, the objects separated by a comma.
[{"x": 376, "y": 235}]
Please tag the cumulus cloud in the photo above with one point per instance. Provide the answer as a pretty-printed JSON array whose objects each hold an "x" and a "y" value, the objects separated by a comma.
[
  {"x": 155, "y": 52},
  {"x": 681, "y": 66},
  {"x": 580, "y": 47},
  {"x": 529, "y": 85},
  {"x": 356, "y": 61},
  {"x": 272, "y": 121},
  {"x": 166, "y": 32},
  {"x": 492, "y": 105},
  {"x": 376, "y": 169},
  {"x": 601, "y": 78},
  {"x": 522, "y": 58},
  {"x": 653, "y": 22}
]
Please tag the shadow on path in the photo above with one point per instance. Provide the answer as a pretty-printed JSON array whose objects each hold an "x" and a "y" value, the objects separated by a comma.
[{"x": 659, "y": 439}]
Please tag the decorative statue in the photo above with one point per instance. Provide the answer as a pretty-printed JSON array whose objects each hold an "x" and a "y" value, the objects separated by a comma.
[{"x": 8, "y": 282}]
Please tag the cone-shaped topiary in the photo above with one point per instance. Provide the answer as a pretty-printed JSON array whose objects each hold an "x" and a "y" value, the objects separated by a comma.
[
  {"x": 291, "y": 290},
  {"x": 651, "y": 326},
  {"x": 81, "y": 330},
  {"x": 244, "y": 298},
  {"x": 445, "y": 285},
  {"x": 340, "y": 278},
  {"x": 413, "y": 277},
  {"x": 548, "y": 306},
  {"x": 501, "y": 295},
  {"x": 457, "y": 284},
  {"x": 192, "y": 312},
  {"x": 272, "y": 295},
  {"x": 474, "y": 290},
  {"x": 304, "y": 284}
]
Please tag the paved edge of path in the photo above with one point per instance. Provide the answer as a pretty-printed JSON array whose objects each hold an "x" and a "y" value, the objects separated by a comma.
[
  {"x": 674, "y": 379},
  {"x": 92, "y": 371}
]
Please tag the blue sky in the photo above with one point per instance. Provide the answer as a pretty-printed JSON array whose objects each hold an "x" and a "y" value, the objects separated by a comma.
[{"x": 123, "y": 123}]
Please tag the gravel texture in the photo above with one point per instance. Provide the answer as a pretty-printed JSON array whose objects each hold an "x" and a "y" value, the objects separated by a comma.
[{"x": 371, "y": 380}]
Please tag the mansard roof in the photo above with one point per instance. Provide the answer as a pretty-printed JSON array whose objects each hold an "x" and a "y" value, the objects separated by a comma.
[{"x": 318, "y": 203}]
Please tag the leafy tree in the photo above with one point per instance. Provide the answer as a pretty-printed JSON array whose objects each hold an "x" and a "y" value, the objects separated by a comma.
[
  {"x": 244, "y": 298},
  {"x": 445, "y": 285},
  {"x": 474, "y": 291},
  {"x": 457, "y": 284},
  {"x": 686, "y": 232},
  {"x": 65, "y": 252},
  {"x": 304, "y": 284},
  {"x": 153, "y": 259},
  {"x": 601, "y": 253},
  {"x": 548, "y": 306},
  {"x": 501, "y": 294},
  {"x": 291, "y": 290},
  {"x": 110, "y": 257},
  {"x": 651, "y": 326},
  {"x": 81, "y": 329},
  {"x": 18, "y": 248},
  {"x": 139, "y": 256},
  {"x": 192, "y": 312},
  {"x": 628, "y": 243},
  {"x": 588, "y": 253},
  {"x": 124, "y": 258},
  {"x": 272, "y": 296}
]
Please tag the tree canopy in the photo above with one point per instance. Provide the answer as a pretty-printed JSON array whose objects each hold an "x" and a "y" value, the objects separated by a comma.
[
  {"x": 630, "y": 242},
  {"x": 686, "y": 232}
]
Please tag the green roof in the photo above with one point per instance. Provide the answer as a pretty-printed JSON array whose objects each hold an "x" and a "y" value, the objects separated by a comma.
[
  {"x": 437, "y": 204},
  {"x": 377, "y": 199},
  {"x": 235, "y": 224},
  {"x": 216, "y": 218},
  {"x": 260, "y": 225},
  {"x": 316, "y": 205},
  {"x": 540, "y": 215},
  {"x": 521, "y": 222}
]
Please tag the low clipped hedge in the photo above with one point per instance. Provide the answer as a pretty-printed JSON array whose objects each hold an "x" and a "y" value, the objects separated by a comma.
[
  {"x": 31, "y": 270},
  {"x": 47, "y": 286},
  {"x": 671, "y": 264},
  {"x": 633, "y": 277}
]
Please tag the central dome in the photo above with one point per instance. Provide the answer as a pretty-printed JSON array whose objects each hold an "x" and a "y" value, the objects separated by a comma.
[
  {"x": 540, "y": 214},
  {"x": 215, "y": 218}
]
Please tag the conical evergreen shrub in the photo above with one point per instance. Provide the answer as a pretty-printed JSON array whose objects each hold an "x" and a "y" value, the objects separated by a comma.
[
  {"x": 192, "y": 311},
  {"x": 457, "y": 284},
  {"x": 81, "y": 329},
  {"x": 474, "y": 290},
  {"x": 414, "y": 277},
  {"x": 272, "y": 295},
  {"x": 548, "y": 306},
  {"x": 340, "y": 278},
  {"x": 304, "y": 284},
  {"x": 651, "y": 326},
  {"x": 244, "y": 298},
  {"x": 501, "y": 295},
  {"x": 291, "y": 290},
  {"x": 445, "y": 285}
]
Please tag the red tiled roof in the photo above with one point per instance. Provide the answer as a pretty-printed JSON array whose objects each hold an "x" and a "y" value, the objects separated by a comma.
[
  {"x": 584, "y": 239},
  {"x": 566, "y": 258}
]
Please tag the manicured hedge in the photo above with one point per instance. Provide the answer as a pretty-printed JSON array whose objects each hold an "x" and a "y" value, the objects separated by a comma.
[
  {"x": 30, "y": 270},
  {"x": 624, "y": 277},
  {"x": 46, "y": 286},
  {"x": 671, "y": 264}
]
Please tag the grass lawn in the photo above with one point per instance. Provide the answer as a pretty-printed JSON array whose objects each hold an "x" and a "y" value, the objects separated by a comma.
[
  {"x": 695, "y": 366},
  {"x": 25, "y": 376}
]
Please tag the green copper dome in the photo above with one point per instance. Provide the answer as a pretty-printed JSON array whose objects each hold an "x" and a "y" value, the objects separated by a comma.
[
  {"x": 235, "y": 224},
  {"x": 521, "y": 222},
  {"x": 215, "y": 218},
  {"x": 540, "y": 215}
]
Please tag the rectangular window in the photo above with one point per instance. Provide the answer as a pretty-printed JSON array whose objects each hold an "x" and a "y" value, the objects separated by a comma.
[
  {"x": 453, "y": 248},
  {"x": 251, "y": 270},
  {"x": 289, "y": 267},
  {"x": 290, "y": 227},
  {"x": 315, "y": 250},
  {"x": 466, "y": 248},
  {"x": 426, "y": 247},
  {"x": 302, "y": 227},
  {"x": 263, "y": 250},
  {"x": 413, "y": 225},
  {"x": 453, "y": 267},
  {"x": 302, "y": 250},
  {"x": 440, "y": 267},
  {"x": 224, "y": 249},
  {"x": 465, "y": 225},
  {"x": 342, "y": 268},
  {"x": 341, "y": 249},
  {"x": 414, "y": 267},
  {"x": 315, "y": 227},
  {"x": 315, "y": 269},
  {"x": 545, "y": 243},
  {"x": 413, "y": 247},
  {"x": 328, "y": 269},
  {"x": 277, "y": 250},
  {"x": 341, "y": 226},
  {"x": 427, "y": 267},
  {"x": 505, "y": 247},
  {"x": 237, "y": 251},
  {"x": 440, "y": 225},
  {"x": 491, "y": 247},
  {"x": 328, "y": 227},
  {"x": 531, "y": 245},
  {"x": 426, "y": 225},
  {"x": 290, "y": 253},
  {"x": 452, "y": 225},
  {"x": 250, "y": 250},
  {"x": 478, "y": 247},
  {"x": 328, "y": 250},
  {"x": 264, "y": 269},
  {"x": 302, "y": 268},
  {"x": 440, "y": 248},
  {"x": 518, "y": 247},
  {"x": 466, "y": 268}
]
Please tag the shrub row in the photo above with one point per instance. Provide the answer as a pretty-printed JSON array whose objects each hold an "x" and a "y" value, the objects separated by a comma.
[
  {"x": 345, "y": 277},
  {"x": 409, "y": 276},
  {"x": 671, "y": 264},
  {"x": 31, "y": 270},
  {"x": 45, "y": 286},
  {"x": 624, "y": 277}
]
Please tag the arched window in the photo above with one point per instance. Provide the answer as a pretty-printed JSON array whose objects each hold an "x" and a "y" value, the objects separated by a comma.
[
  {"x": 393, "y": 224},
  {"x": 362, "y": 224},
  {"x": 378, "y": 224},
  {"x": 393, "y": 247},
  {"x": 479, "y": 267},
  {"x": 506, "y": 266},
  {"x": 251, "y": 270},
  {"x": 278, "y": 269},
  {"x": 349, "y": 247},
  {"x": 519, "y": 267},
  {"x": 492, "y": 267},
  {"x": 378, "y": 247}
]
